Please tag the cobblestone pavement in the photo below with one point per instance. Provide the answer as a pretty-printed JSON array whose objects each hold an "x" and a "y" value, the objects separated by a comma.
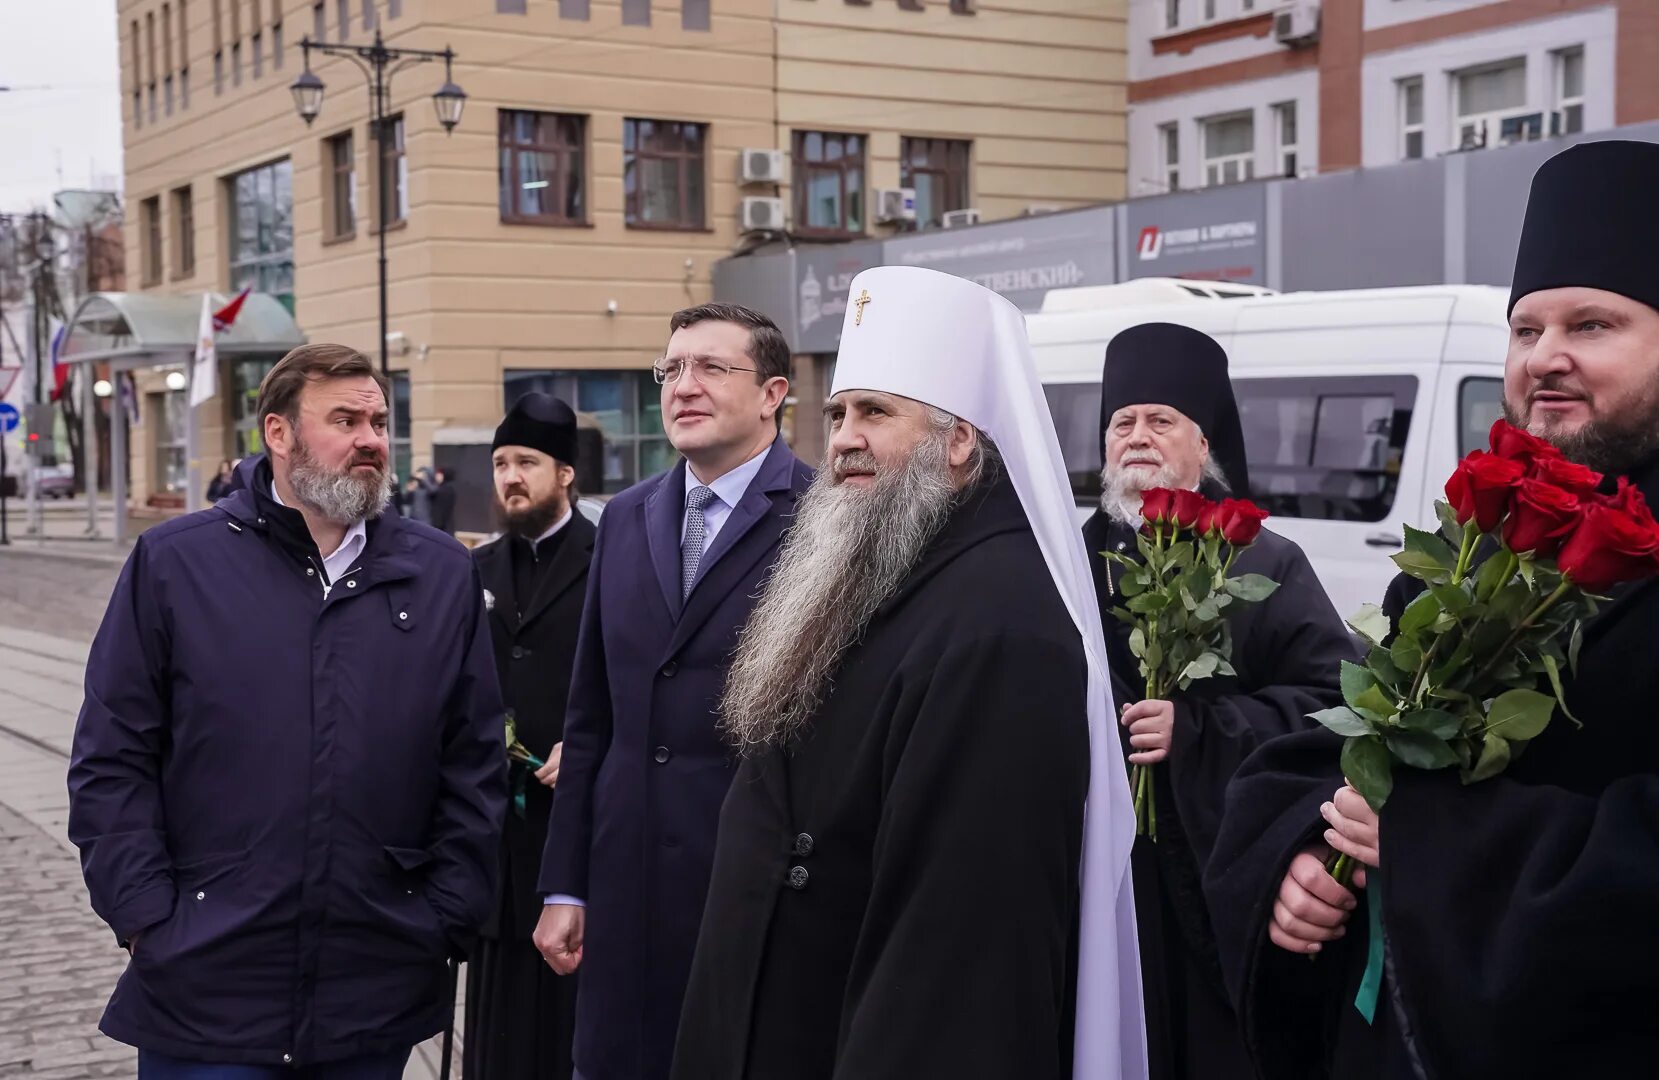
[{"x": 58, "y": 962}]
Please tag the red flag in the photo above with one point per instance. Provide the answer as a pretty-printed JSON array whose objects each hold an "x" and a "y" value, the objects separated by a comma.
[{"x": 227, "y": 314}]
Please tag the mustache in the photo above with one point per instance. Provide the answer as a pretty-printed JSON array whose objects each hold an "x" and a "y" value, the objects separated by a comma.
[
  {"x": 1554, "y": 384},
  {"x": 855, "y": 461},
  {"x": 1140, "y": 457}
]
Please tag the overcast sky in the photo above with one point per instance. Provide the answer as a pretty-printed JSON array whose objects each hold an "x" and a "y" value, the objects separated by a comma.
[{"x": 67, "y": 133}]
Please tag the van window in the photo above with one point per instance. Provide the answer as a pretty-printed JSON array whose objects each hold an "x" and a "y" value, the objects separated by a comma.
[
  {"x": 1326, "y": 448},
  {"x": 1076, "y": 411},
  {"x": 1479, "y": 402}
]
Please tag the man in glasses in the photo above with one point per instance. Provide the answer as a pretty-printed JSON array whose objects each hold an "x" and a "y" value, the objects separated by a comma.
[{"x": 677, "y": 564}]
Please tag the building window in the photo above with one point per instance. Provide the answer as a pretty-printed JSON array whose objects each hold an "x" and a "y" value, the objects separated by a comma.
[
  {"x": 628, "y": 407},
  {"x": 1327, "y": 447},
  {"x": 245, "y": 377},
  {"x": 276, "y": 45},
  {"x": 962, "y": 7},
  {"x": 543, "y": 178},
  {"x": 319, "y": 21},
  {"x": 171, "y": 415},
  {"x": 368, "y": 14},
  {"x": 184, "y": 227},
  {"x": 938, "y": 170},
  {"x": 167, "y": 94},
  {"x": 149, "y": 218},
  {"x": 1229, "y": 149},
  {"x": 1169, "y": 144},
  {"x": 394, "y": 8},
  {"x": 403, "y": 448},
  {"x": 262, "y": 230},
  {"x": 236, "y": 63},
  {"x": 574, "y": 9},
  {"x": 1209, "y": 10},
  {"x": 636, "y": 12},
  {"x": 1411, "y": 119},
  {"x": 1492, "y": 106},
  {"x": 184, "y": 89},
  {"x": 662, "y": 174},
  {"x": 510, "y": 7},
  {"x": 137, "y": 78},
  {"x": 829, "y": 184},
  {"x": 258, "y": 43},
  {"x": 1284, "y": 132},
  {"x": 153, "y": 114},
  {"x": 340, "y": 166},
  {"x": 343, "y": 10},
  {"x": 694, "y": 14},
  {"x": 1172, "y": 14},
  {"x": 1568, "y": 118},
  {"x": 396, "y": 208},
  {"x": 218, "y": 73}
]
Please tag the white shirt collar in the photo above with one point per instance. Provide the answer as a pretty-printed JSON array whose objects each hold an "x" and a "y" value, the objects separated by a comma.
[
  {"x": 341, "y": 559},
  {"x": 729, "y": 488},
  {"x": 557, "y": 525}
]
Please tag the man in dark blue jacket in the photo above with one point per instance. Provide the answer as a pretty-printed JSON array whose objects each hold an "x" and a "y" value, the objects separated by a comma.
[
  {"x": 288, "y": 777},
  {"x": 677, "y": 564}
]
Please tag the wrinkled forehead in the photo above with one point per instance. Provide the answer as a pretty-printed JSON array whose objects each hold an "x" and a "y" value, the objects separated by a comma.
[
  {"x": 354, "y": 394},
  {"x": 1150, "y": 411}
]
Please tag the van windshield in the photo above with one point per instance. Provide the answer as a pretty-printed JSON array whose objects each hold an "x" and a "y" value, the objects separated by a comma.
[{"x": 1076, "y": 411}]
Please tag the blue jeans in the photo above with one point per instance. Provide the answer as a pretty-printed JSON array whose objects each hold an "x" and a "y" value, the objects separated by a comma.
[{"x": 153, "y": 1066}]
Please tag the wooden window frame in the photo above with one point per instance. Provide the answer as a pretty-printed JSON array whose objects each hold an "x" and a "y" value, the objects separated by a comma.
[
  {"x": 957, "y": 179},
  {"x": 564, "y": 152},
  {"x": 803, "y": 169},
  {"x": 692, "y": 218},
  {"x": 184, "y": 233},
  {"x": 339, "y": 201}
]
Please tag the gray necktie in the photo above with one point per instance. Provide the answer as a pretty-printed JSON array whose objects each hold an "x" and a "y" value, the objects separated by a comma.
[{"x": 696, "y": 535}]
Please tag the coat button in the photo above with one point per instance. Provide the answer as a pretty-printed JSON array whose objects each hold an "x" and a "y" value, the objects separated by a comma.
[
  {"x": 797, "y": 877},
  {"x": 662, "y": 755},
  {"x": 520, "y": 652},
  {"x": 309, "y": 572},
  {"x": 201, "y": 896},
  {"x": 287, "y": 1059},
  {"x": 669, "y": 669},
  {"x": 404, "y": 615},
  {"x": 351, "y": 584},
  {"x": 803, "y": 845}
]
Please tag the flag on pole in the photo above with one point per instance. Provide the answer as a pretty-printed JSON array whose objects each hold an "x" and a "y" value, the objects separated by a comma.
[
  {"x": 204, "y": 373},
  {"x": 60, "y": 370}
]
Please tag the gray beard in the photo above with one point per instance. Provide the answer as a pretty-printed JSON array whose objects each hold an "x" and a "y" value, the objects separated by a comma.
[
  {"x": 848, "y": 551},
  {"x": 1121, "y": 490},
  {"x": 340, "y": 497},
  {"x": 1616, "y": 446}
]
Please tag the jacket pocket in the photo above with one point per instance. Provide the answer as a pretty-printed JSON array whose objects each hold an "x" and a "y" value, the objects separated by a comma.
[
  {"x": 408, "y": 904},
  {"x": 208, "y": 907}
]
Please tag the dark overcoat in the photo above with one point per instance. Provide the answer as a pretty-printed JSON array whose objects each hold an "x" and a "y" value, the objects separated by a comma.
[
  {"x": 292, "y": 802},
  {"x": 645, "y": 769}
]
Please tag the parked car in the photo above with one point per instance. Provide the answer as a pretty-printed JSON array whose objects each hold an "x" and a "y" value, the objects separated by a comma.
[
  {"x": 1356, "y": 406},
  {"x": 55, "y": 481}
]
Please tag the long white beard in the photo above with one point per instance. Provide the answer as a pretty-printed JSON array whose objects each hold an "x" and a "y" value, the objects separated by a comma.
[
  {"x": 847, "y": 552},
  {"x": 1121, "y": 490}
]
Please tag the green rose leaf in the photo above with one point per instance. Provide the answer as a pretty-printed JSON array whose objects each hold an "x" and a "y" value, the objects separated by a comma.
[
  {"x": 1519, "y": 714},
  {"x": 1437, "y": 722},
  {"x": 1154, "y": 657},
  {"x": 1574, "y": 646},
  {"x": 1251, "y": 588},
  {"x": 1494, "y": 573},
  {"x": 1449, "y": 528},
  {"x": 1201, "y": 668},
  {"x": 1432, "y": 545},
  {"x": 1367, "y": 766},
  {"x": 1207, "y": 610},
  {"x": 1137, "y": 642},
  {"x": 1372, "y": 624},
  {"x": 1148, "y": 603},
  {"x": 1454, "y": 598},
  {"x": 1406, "y": 653},
  {"x": 1421, "y": 750},
  {"x": 1372, "y": 700},
  {"x": 1132, "y": 585},
  {"x": 1553, "y": 667},
  {"x": 1343, "y": 720},
  {"x": 1420, "y": 614},
  {"x": 1494, "y": 759},
  {"x": 1356, "y": 680}
]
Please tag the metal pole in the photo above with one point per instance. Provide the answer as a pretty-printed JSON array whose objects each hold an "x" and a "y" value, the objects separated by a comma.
[
  {"x": 4, "y": 539},
  {"x": 118, "y": 455},
  {"x": 380, "y": 137},
  {"x": 89, "y": 446}
]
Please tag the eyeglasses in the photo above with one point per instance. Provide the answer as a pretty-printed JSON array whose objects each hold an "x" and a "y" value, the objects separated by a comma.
[{"x": 707, "y": 372}]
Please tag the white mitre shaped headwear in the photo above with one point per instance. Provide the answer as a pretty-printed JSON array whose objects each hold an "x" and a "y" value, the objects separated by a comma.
[{"x": 959, "y": 347}]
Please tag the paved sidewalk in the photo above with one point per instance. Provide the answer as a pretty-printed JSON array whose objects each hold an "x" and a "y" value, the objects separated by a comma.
[{"x": 58, "y": 962}]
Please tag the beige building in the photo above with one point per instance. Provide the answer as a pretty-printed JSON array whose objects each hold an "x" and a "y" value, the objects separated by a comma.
[{"x": 596, "y": 176}]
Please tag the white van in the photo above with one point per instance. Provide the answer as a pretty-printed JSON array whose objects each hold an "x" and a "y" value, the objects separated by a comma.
[{"x": 1356, "y": 406}]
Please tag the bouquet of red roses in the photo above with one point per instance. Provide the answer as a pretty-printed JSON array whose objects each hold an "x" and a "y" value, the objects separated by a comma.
[
  {"x": 1473, "y": 671},
  {"x": 1177, "y": 595}
]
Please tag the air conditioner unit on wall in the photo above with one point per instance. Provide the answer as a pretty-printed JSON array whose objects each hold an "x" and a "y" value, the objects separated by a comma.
[
  {"x": 1296, "y": 23},
  {"x": 955, "y": 219},
  {"x": 763, "y": 166},
  {"x": 894, "y": 205},
  {"x": 761, "y": 214}
]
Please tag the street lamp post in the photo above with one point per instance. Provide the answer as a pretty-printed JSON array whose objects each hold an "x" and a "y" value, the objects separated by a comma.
[{"x": 374, "y": 61}]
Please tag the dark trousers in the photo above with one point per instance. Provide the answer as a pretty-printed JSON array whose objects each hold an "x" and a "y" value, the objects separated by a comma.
[{"x": 152, "y": 1066}]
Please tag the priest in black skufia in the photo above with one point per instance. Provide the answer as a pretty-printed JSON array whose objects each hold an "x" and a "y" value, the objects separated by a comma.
[
  {"x": 1168, "y": 420},
  {"x": 1517, "y": 913},
  {"x": 896, "y": 882},
  {"x": 519, "y": 1012}
]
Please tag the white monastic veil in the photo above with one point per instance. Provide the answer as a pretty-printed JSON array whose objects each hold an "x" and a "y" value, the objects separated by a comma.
[{"x": 959, "y": 347}]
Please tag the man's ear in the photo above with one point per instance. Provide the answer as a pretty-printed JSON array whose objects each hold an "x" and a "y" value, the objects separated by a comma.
[
  {"x": 279, "y": 436},
  {"x": 963, "y": 438},
  {"x": 777, "y": 388},
  {"x": 567, "y": 477}
]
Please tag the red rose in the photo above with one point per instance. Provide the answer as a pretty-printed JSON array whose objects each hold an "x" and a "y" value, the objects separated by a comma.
[
  {"x": 1209, "y": 519},
  {"x": 1188, "y": 507},
  {"x": 1613, "y": 543},
  {"x": 1156, "y": 505},
  {"x": 1240, "y": 521},
  {"x": 1481, "y": 487},
  {"x": 1509, "y": 441},
  {"x": 1540, "y": 518},
  {"x": 1567, "y": 475},
  {"x": 1628, "y": 498}
]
